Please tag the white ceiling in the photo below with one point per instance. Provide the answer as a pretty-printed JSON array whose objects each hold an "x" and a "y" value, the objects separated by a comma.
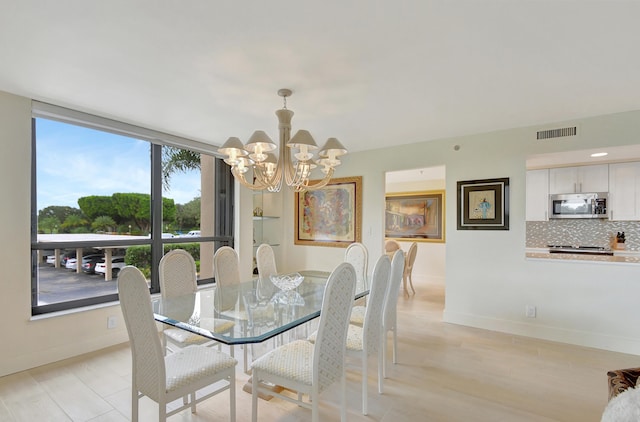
[
  {"x": 413, "y": 175},
  {"x": 583, "y": 157},
  {"x": 371, "y": 72}
]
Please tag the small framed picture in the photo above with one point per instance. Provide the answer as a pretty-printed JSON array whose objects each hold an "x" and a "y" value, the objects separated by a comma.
[{"x": 483, "y": 204}]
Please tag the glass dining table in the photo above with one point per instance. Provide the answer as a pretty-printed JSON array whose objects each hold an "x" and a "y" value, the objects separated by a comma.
[{"x": 245, "y": 313}]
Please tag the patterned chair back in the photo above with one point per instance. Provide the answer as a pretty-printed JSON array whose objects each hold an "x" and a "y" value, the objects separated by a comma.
[
  {"x": 331, "y": 341},
  {"x": 266, "y": 260},
  {"x": 395, "y": 278},
  {"x": 177, "y": 271},
  {"x": 227, "y": 273},
  {"x": 146, "y": 350},
  {"x": 356, "y": 254},
  {"x": 373, "y": 314}
]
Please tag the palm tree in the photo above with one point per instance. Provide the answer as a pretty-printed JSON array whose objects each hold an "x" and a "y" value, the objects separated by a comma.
[
  {"x": 103, "y": 223},
  {"x": 177, "y": 160},
  {"x": 74, "y": 222}
]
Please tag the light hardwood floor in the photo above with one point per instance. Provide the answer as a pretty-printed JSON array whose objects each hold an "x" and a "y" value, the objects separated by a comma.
[{"x": 445, "y": 373}]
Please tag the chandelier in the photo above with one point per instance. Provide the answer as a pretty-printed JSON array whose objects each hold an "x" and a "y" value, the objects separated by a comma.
[{"x": 295, "y": 161}]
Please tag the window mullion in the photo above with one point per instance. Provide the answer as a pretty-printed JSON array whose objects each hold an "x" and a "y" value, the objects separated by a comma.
[{"x": 156, "y": 215}]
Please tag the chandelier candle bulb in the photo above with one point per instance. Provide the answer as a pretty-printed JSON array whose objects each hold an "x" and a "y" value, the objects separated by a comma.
[
  {"x": 234, "y": 149},
  {"x": 240, "y": 165},
  {"x": 258, "y": 155},
  {"x": 303, "y": 155}
]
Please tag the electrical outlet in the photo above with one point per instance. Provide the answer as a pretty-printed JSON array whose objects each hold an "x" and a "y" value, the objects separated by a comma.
[
  {"x": 530, "y": 311},
  {"x": 112, "y": 322}
]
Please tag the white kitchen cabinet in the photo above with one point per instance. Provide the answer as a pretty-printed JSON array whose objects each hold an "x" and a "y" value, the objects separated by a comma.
[
  {"x": 579, "y": 179},
  {"x": 537, "y": 195},
  {"x": 624, "y": 191}
]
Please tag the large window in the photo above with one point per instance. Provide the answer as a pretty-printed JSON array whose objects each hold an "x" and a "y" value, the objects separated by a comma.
[{"x": 106, "y": 194}]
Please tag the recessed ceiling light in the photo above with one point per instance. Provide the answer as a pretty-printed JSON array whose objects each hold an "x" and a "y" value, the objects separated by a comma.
[{"x": 599, "y": 154}]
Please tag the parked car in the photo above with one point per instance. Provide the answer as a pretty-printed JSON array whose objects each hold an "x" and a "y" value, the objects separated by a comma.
[
  {"x": 168, "y": 235},
  {"x": 89, "y": 263},
  {"x": 192, "y": 233},
  {"x": 71, "y": 262},
  {"x": 65, "y": 257},
  {"x": 51, "y": 259},
  {"x": 117, "y": 263}
]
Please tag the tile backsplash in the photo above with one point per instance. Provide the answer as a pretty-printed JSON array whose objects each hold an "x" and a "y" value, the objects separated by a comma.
[{"x": 582, "y": 232}]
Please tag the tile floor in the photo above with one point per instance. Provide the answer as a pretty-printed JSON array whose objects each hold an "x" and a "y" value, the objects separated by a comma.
[{"x": 445, "y": 373}]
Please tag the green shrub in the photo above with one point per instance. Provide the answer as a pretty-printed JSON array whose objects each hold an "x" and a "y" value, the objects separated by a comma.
[
  {"x": 192, "y": 248},
  {"x": 146, "y": 272},
  {"x": 140, "y": 256}
]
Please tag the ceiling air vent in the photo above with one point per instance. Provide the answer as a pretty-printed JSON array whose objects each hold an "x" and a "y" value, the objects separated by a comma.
[{"x": 557, "y": 133}]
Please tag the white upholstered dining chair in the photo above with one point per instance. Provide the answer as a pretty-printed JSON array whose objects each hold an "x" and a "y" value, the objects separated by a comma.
[
  {"x": 310, "y": 368},
  {"x": 365, "y": 341},
  {"x": 227, "y": 299},
  {"x": 389, "y": 313},
  {"x": 358, "y": 256},
  {"x": 177, "y": 273},
  {"x": 165, "y": 379},
  {"x": 266, "y": 263}
]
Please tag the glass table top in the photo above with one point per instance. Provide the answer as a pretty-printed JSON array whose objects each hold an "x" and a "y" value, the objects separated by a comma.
[{"x": 249, "y": 312}]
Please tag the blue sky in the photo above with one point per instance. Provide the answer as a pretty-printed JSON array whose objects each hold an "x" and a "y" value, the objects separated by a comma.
[{"x": 73, "y": 161}]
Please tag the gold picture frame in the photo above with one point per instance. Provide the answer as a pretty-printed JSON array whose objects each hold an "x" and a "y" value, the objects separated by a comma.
[
  {"x": 330, "y": 216},
  {"x": 418, "y": 216}
]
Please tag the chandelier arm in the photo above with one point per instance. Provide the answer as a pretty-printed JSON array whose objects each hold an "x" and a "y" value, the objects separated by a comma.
[
  {"x": 273, "y": 183},
  {"x": 318, "y": 185},
  {"x": 243, "y": 181}
]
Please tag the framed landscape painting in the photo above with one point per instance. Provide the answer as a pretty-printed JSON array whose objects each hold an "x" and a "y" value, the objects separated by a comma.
[
  {"x": 330, "y": 216},
  {"x": 483, "y": 204},
  {"x": 417, "y": 216}
]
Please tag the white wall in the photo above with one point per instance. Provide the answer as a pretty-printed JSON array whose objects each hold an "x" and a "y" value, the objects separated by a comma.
[
  {"x": 28, "y": 343},
  {"x": 488, "y": 280}
]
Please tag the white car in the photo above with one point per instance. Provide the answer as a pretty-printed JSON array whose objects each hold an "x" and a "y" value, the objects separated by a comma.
[
  {"x": 117, "y": 263},
  {"x": 192, "y": 233},
  {"x": 71, "y": 264},
  {"x": 51, "y": 259}
]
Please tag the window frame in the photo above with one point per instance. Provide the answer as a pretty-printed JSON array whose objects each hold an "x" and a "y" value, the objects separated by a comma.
[{"x": 223, "y": 193}]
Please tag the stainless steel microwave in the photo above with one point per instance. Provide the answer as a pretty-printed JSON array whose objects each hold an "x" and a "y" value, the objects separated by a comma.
[{"x": 578, "y": 205}]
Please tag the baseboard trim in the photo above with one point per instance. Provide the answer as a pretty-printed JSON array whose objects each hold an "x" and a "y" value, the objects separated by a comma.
[
  {"x": 545, "y": 332},
  {"x": 62, "y": 352}
]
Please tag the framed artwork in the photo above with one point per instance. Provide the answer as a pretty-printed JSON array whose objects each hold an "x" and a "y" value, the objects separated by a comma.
[
  {"x": 483, "y": 204},
  {"x": 418, "y": 216},
  {"x": 330, "y": 216}
]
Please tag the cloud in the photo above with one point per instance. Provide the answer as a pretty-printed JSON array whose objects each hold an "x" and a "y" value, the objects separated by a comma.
[{"x": 73, "y": 162}]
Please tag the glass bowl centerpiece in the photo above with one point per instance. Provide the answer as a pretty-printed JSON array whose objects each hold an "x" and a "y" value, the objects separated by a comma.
[{"x": 287, "y": 282}]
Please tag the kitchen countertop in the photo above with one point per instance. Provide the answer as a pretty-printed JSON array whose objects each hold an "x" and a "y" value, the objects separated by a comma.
[{"x": 619, "y": 257}]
